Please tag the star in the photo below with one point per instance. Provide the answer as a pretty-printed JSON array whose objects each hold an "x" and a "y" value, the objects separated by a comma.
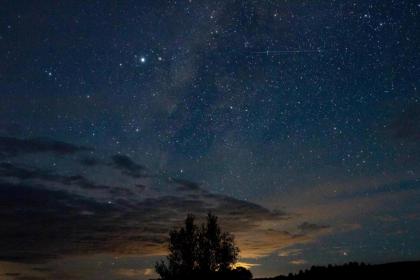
[{"x": 139, "y": 59}]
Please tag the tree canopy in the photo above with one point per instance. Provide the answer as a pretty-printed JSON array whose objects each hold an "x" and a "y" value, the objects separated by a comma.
[{"x": 204, "y": 252}]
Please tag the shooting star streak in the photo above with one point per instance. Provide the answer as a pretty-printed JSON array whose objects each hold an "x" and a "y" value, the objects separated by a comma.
[{"x": 268, "y": 52}]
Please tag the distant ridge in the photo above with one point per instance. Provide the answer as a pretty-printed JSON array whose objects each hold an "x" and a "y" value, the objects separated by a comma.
[{"x": 353, "y": 270}]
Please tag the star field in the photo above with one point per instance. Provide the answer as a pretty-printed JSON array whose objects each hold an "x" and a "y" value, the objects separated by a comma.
[{"x": 311, "y": 108}]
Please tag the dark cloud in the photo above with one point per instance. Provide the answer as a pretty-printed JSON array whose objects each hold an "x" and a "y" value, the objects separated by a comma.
[
  {"x": 71, "y": 214},
  {"x": 120, "y": 192},
  {"x": 10, "y": 170},
  {"x": 11, "y": 146},
  {"x": 11, "y": 274},
  {"x": 140, "y": 187},
  {"x": 185, "y": 185},
  {"x": 127, "y": 166},
  {"x": 46, "y": 215},
  {"x": 30, "y": 278},
  {"x": 90, "y": 161},
  {"x": 82, "y": 182},
  {"x": 80, "y": 225},
  {"x": 306, "y": 227},
  {"x": 42, "y": 269}
]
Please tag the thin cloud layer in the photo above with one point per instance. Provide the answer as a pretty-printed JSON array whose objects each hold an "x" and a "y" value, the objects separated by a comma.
[
  {"x": 128, "y": 166},
  {"x": 11, "y": 146}
]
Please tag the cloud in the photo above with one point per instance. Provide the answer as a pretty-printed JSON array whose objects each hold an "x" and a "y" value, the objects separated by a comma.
[
  {"x": 11, "y": 147},
  {"x": 140, "y": 187},
  {"x": 71, "y": 211},
  {"x": 260, "y": 242},
  {"x": 11, "y": 274},
  {"x": 290, "y": 252},
  {"x": 90, "y": 161},
  {"x": 8, "y": 170},
  {"x": 58, "y": 223},
  {"x": 185, "y": 185},
  {"x": 132, "y": 273},
  {"x": 308, "y": 227},
  {"x": 246, "y": 264},
  {"x": 126, "y": 165},
  {"x": 298, "y": 262},
  {"x": 30, "y": 278},
  {"x": 47, "y": 216}
]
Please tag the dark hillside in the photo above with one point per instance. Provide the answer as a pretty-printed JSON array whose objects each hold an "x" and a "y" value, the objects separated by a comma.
[{"x": 399, "y": 270}]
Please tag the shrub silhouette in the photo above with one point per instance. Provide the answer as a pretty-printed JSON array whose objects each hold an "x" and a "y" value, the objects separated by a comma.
[{"x": 201, "y": 253}]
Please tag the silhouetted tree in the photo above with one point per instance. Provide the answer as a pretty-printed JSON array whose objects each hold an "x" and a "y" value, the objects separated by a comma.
[
  {"x": 182, "y": 252},
  {"x": 217, "y": 250},
  {"x": 201, "y": 252},
  {"x": 241, "y": 273}
]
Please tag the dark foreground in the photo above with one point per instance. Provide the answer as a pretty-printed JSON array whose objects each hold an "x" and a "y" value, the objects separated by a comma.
[{"x": 400, "y": 270}]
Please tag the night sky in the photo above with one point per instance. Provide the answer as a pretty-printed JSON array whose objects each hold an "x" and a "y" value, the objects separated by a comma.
[{"x": 296, "y": 122}]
